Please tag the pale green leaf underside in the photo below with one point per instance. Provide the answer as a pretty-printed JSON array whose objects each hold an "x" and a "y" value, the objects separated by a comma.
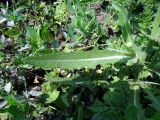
[
  {"x": 156, "y": 27},
  {"x": 77, "y": 59},
  {"x": 156, "y": 24}
]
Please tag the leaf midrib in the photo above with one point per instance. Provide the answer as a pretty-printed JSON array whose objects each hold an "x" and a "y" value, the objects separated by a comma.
[{"x": 89, "y": 59}]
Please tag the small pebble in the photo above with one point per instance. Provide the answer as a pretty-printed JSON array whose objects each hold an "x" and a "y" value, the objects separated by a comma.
[
  {"x": 3, "y": 11},
  {"x": 8, "y": 87}
]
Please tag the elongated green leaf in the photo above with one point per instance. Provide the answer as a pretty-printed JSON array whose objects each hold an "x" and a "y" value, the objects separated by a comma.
[
  {"x": 18, "y": 10},
  {"x": 33, "y": 34},
  {"x": 78, "y": 115},
  {"x": 52, "y": 96},
  {"x": 135, "y": 110},
  {"x": 2, "y": 19},
  {"x": 131, "y": 113},
  {"x": 73, "y": 81},
  {"x": 77, "y": 59},
  {"x": 155, "y": 101},
  {"x": 156, "y": 24},
  {"x": 123, "y": 21},
  {"x": 155, "y": 65},
  {"x": 136, "y": 103}
]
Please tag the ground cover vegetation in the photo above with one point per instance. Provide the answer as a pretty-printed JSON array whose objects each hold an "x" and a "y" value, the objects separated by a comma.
[{"x": 80, "y": 60}]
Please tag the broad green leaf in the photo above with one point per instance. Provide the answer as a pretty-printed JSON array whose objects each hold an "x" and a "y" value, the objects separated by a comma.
[
  {"x": 156, "y": 116},
  {"x": 131, "y": 113},
  {"x": 136, "y": 98},
  {"x": 155, "y": 100},
  {"x": 11, "y": 100},
  {"x": 52, "y": 96},
  {"x": 73, "y": 81},
  {"x": 123, "y": 22},
  {"x": 34, "y": 36},
  {"x": 32, "y": 33},
  {"x": 77, "y": 59},
  {"x": 16, "y": 112},
  {"x": 137, "y": 109},
  {"x": 156, "y": 24},
  {"x": 62, "y": 101}
]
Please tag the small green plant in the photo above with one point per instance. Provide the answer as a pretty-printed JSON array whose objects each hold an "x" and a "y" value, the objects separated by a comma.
[
  {"x": 80, "y": 60},
  {"x": 136, "y": 60}
]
